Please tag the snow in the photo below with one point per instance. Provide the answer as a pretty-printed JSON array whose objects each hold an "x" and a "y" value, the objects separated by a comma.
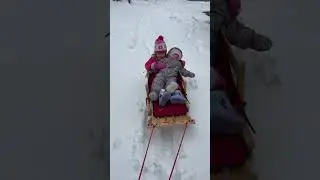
[
  {"x": 285, "y": 114},
  {"x": 133, "y": 31}
]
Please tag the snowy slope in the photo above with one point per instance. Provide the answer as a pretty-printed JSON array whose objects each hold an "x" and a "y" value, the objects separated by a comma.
[
  {"x": 286, "y": 114},
  {"x": 133, "y": 31}
]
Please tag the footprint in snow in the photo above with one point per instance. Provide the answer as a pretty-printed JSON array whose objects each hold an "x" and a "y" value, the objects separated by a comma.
[
  {"x": 140, "y": 137},
  {"x": 159, "y": 171},
  {"x": 193, "y": 83},
  {"x": 191, "y": 177},
  {"x": 183, "y": 154},
  {"x": 136, "y": 164},
  {"x": 177, "y": 175},
  {"x": 134, "y": 41},
  {"x": 175, "y": 19},
  {"x": 134, "y": 149},
  {"x": 144, "y": 129},
  {"x": 199, "y": 49},
  {"x": 116, "y": 144},
  {"x": 141, "y": 106},
  {"x": 193, "y": 26},
  {"x": 188, "y": 174},
  {"x": 148, "y": 47},
  {"x": 201, "y": 46}
]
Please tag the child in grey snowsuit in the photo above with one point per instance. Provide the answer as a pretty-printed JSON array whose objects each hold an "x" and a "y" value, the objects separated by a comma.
[{"x": 165, "y": 84}]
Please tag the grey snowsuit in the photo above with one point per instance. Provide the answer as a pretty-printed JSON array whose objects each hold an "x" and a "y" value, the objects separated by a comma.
[{"x": 168, "y": 75}]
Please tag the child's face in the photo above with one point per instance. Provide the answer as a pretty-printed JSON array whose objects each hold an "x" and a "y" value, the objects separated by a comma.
[
  {"x": 174, "y": 56},
  {"x": 160, "y": 54}
]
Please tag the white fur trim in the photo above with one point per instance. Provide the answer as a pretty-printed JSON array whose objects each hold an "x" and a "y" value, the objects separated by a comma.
[
  {"x": 175, "y": 51},
  {"x": 160, "y": 47}
]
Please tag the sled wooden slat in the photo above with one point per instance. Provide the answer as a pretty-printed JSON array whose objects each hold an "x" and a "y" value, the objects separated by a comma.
[
  {"x": 168, "y": 121},
  {"x": 165, "y": 121}
]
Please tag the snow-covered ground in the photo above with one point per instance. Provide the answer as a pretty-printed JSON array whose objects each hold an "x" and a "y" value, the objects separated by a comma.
[
  {"x": 285, "y": 113},
  {"x": 133, "y": 31}
]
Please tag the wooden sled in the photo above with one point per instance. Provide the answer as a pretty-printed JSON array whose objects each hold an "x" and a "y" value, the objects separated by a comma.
[{"x": 171, "y": 114}]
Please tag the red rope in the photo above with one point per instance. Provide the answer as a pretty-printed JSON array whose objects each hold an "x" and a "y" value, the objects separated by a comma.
[
  {"x": 175, "y": 160},
  {"x": 145, "y": 155}
]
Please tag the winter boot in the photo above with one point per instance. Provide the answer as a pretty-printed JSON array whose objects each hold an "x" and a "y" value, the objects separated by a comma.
[
  {"x": 153, "y": 96},
  {"x": 164, "y": 97},
  {"x": 178, "y": 98},
  {"x": 172, "y": 86}
]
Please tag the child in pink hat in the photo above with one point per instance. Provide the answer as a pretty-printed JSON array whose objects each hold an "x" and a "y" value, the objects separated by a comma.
[{"x": 153, "y": 65}]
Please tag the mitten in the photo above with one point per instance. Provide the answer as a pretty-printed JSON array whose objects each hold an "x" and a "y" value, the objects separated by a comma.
[
  {"x": 158, "y": 66},
  {"x": 192, "y": 75},
  {"x": 187, "y": 73}
]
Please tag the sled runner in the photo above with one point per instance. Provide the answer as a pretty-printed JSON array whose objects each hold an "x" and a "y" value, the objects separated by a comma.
[
  {"x": 171, "y": 114},
  {"x": 231, "y": 152}
]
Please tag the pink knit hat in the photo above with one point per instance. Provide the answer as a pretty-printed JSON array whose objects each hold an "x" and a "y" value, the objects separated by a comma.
[{"x": 160, "y": 45}]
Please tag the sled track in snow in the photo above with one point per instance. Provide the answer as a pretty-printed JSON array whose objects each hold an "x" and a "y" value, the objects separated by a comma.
[
  {"x": 135, "y": 35},
  {"x": 163, "y": 144}
]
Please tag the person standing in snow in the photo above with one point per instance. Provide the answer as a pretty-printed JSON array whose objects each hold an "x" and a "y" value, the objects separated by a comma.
[{"x": 225, "y": 17}]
